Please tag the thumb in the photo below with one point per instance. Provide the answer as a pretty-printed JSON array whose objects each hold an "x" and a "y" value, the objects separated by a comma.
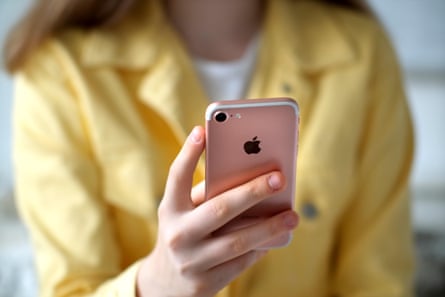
[{"x": 180, "y": 177}]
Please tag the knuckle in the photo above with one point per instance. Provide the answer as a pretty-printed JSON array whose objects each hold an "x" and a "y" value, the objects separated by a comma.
[
  {"x": 219, "y": 208},
  {"x": 174, "y": 240},
  {"x": 255, "y": 190},
  {"x": 239, "y": 244},
  {"x": 274, "y": 227},
  {"x": 185, "y": 268}
]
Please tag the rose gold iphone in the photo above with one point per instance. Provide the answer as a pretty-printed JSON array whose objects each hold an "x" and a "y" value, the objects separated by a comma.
[{"x": 247, "y": 138}]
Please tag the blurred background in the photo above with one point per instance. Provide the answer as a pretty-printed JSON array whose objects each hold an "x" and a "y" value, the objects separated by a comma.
[{"x": 417, "y": 29}]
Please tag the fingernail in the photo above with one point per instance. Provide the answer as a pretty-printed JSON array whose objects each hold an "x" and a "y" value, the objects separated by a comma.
[
  {"x": 274, "y": 182},
  {"x": 196, "y": 136},
  {"x": 290, "y": 220}
]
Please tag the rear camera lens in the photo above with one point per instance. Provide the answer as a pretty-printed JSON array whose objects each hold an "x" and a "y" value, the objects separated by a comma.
[{"x": 221, "y": 117}]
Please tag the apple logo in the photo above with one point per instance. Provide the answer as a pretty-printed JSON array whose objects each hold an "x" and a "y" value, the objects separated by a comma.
[{"x": 252, "y": 146}]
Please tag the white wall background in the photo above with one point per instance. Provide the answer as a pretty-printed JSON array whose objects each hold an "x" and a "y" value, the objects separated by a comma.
[
  {"x": 418, "y": 31},
  {"x": 10, "y": 10}
]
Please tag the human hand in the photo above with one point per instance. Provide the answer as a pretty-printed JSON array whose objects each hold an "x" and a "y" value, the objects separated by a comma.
[{"x": 188, "y": 260}]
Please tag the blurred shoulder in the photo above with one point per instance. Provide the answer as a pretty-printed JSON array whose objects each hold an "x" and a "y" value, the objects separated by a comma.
[
  {"x": 359, "y": 26},
  {"x": 54, "y": 56},
  {"x": 351, "y": 21},
  {"x": 328, "y": 25}
]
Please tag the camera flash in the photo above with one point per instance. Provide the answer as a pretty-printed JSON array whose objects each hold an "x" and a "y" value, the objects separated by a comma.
[{"x": 238, "y": 116}]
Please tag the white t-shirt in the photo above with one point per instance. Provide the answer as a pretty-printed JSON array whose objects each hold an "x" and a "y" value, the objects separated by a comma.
[{"x": 227, "y": 80}]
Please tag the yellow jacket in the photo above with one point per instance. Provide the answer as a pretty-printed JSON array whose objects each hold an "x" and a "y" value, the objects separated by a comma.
[{"x": 100, "y": 115}]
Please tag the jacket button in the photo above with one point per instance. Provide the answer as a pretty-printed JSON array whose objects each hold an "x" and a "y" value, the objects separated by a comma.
[
  {"x": 309, "y": 210},
  {"x": 287, "y": 88}
]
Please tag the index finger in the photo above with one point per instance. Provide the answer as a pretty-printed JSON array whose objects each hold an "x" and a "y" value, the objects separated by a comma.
[{"x": 218, "y": 211}]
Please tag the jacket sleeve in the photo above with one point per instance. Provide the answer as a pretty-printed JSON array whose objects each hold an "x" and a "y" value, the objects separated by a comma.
[
  {"x": 375, "y": 250},
  {"x": 59, "y": 189}
]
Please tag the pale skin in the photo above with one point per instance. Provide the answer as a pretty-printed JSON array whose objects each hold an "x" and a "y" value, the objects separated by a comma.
[
  {"x": 188, "y": 259},
  {"x": 216, "y": 29}
]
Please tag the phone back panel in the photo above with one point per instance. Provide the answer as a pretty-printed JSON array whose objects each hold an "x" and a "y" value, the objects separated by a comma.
[{"x": 258, "y": 136}]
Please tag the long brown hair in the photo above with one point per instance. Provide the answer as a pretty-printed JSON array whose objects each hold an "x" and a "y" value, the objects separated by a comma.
[{"x": 47, "y": 17}]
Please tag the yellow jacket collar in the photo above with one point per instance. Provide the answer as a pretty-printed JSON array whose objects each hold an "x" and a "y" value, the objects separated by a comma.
[
  {"x": 298, "y": 38},
  {"x": 316, "y": 41},
  {"x": 133, "y": 44},
  {"x": 309, "y": 30}
]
